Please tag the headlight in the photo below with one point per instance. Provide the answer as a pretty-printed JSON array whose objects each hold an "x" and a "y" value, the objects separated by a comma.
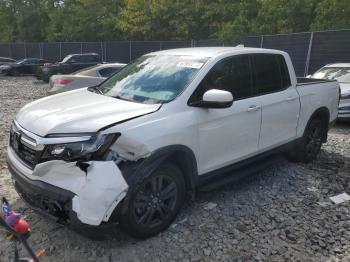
[
  {"x": 86, "y": 150},
  {"x": 4, "y": 67},
  {"x": 345, "y": 96}
]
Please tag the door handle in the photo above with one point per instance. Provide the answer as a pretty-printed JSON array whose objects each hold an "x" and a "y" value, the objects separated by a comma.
[
  {"x": 253, "y": 108},
  {"x": 290, "y": 98}
]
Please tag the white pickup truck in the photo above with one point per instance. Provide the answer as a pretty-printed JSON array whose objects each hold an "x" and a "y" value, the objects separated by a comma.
[{"x": 128, "y": 150}]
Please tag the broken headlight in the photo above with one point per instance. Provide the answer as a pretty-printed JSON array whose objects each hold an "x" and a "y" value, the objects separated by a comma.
[{"x": 85, "y": 150}]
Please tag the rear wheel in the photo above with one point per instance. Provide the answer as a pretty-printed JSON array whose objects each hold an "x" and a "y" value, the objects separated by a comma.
[
  {"x": 308, "y": 147},
  {"x": 155, "y": 202}
]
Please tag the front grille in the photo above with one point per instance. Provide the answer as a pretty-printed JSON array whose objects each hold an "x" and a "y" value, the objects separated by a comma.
[
  {"x": 56, "y": 208},
  {"x": 29, "y": 156}
]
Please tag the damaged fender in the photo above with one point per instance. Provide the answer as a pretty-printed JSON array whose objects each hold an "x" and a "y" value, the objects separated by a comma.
[
  {"x": 130, "y": 149},
  {"x": 97, "y": 192}
]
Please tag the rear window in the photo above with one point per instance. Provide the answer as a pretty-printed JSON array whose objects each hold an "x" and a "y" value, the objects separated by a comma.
[{"x": 271, "y": 73}]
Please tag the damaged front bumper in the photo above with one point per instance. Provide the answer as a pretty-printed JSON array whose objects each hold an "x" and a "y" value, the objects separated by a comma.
[{"x": 64, "y": 191}]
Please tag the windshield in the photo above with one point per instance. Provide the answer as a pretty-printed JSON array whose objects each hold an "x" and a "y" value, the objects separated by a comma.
[
  {"x": 341, "y": 74},
  {"x": 152, "y": 79},
  {"x": 66, "y": 58}
]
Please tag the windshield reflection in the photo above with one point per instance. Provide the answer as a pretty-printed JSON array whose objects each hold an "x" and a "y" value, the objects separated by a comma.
[
  {"x": 153, "y": 79},
  {"x": 341, "y": 74}
]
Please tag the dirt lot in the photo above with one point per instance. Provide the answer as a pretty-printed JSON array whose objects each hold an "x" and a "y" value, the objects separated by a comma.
[{"x": 281, "y": 214}]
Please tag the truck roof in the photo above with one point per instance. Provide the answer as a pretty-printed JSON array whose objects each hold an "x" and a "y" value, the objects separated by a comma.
[{"x": 213, "y": 51}]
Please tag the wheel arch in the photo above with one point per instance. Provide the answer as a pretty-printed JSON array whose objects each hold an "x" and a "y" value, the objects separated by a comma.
[{"x": 180, "y": 155}]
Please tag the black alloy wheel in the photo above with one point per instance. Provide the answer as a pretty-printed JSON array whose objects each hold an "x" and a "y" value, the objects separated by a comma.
[
  {"x": 153, "y": 204},
  {"x": 155, "y": 201}
]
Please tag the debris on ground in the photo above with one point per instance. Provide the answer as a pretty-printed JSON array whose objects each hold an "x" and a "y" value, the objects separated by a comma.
[{"x": 338, "y": 199}]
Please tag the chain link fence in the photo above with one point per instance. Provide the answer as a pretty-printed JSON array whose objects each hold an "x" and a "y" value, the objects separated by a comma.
[
  {"x": 110, "y": 51},
  {"x": 309, "y": 51}
]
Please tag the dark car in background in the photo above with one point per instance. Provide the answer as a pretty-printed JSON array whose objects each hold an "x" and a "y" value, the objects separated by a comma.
[
  {"x": 69, "y": 64},
  {"x": 6, "y": 60},
  {"x": 27, "y": 66}
]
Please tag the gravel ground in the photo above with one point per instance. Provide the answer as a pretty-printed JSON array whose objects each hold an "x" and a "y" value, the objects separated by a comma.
[{"x": 281, "y": 214}]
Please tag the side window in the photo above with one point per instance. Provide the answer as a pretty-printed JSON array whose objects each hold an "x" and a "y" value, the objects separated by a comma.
[
  {"x": 271, "y": 73},
  {"x": 90, "y": 58},
  {"x": 231, "y": 74},
  {"x": 284, "y": 72}
]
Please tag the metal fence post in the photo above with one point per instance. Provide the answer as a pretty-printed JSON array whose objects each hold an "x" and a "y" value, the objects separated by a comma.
[
  {"x": 307, "y": 64},
  {"x": 160, "y": 45},
  {"x": 25, "y": 49},
  {"x": 105, "y": 50},
  {"x": 102, "y": 54},
  {"x": 129, "y": 51},
  {"x": 81, "y": 47},
  {"x": 60, "y": 50},
  {"x": 262, "y": 41},
  {"x": 10, "y": 51}
]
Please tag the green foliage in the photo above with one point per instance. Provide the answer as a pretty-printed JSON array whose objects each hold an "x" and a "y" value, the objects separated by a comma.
[
  {"x": 332, "y": 14},
  {"x": 101, "y": 20}
]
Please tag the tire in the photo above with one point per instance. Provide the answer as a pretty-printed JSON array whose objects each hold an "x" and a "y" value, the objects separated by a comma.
[
  {"x": 308, "y": 147},
  {"x": 154, "y": 202},
  {"x": 15, "y": 73}
]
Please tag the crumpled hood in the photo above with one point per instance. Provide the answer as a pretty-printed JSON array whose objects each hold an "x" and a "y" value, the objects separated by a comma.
[
  {"x": 78, "y": 111},
  {"x": 345, "y": 88}
]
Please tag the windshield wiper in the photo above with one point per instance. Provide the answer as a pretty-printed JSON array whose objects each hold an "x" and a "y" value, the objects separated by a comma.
[
  {"x": 95, "y": 88},
  {"x": 123, "y": 98}
]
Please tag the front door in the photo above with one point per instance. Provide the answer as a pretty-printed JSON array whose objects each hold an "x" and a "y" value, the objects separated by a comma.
[{"x": 228, "y": 135}]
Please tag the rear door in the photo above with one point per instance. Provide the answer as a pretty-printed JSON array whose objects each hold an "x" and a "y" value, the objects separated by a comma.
[
  {"x": 227, "y": 135},
  {"x": 279, "y": 100}
]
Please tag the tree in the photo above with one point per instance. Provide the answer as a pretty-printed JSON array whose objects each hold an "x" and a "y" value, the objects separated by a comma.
[
  {"x": 84, "y": 20},
  {"x": 332, "y": 14},
  {"x": 284, "y": 16}
]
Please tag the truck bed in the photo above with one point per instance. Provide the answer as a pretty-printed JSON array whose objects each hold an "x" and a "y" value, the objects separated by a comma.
[{"x": 302, "y": 81}]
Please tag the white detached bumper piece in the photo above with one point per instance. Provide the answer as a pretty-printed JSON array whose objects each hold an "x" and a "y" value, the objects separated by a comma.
[{"x": 97, "y": 191}]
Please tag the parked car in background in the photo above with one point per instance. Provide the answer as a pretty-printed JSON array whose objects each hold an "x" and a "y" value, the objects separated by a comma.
[
  {"x": 68, "y": 65},
  {"x": 27, "y": 66},
  {"x": 341, "y": 73},
  {"x": 129, "y": 149},
  {"x": 83, "y": 78},
  {"x": 6, "y": 60}
]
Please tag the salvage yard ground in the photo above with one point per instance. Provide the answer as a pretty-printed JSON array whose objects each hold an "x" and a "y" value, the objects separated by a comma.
[{"x": 281, "y": 214}]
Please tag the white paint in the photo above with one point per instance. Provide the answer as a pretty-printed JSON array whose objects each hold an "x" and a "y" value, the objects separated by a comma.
[
  {"x": 103, "y": 188},
  {"x": 76, "y": 112},
  {"x": 215, "y": 95}
]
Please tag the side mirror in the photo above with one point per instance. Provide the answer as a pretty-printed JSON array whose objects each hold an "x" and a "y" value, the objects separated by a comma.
[{"x": 215, "y": 98}]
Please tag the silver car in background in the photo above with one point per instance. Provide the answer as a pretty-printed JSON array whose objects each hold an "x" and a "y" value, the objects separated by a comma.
[
  {"x": 341, "y": 73},
  {"x": 83, "y": 78}
]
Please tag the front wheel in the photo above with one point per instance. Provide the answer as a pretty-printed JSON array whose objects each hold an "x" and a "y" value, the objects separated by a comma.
[
  {"x": 15, "y": 72},
  {"x": 155, "y": 202}
]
